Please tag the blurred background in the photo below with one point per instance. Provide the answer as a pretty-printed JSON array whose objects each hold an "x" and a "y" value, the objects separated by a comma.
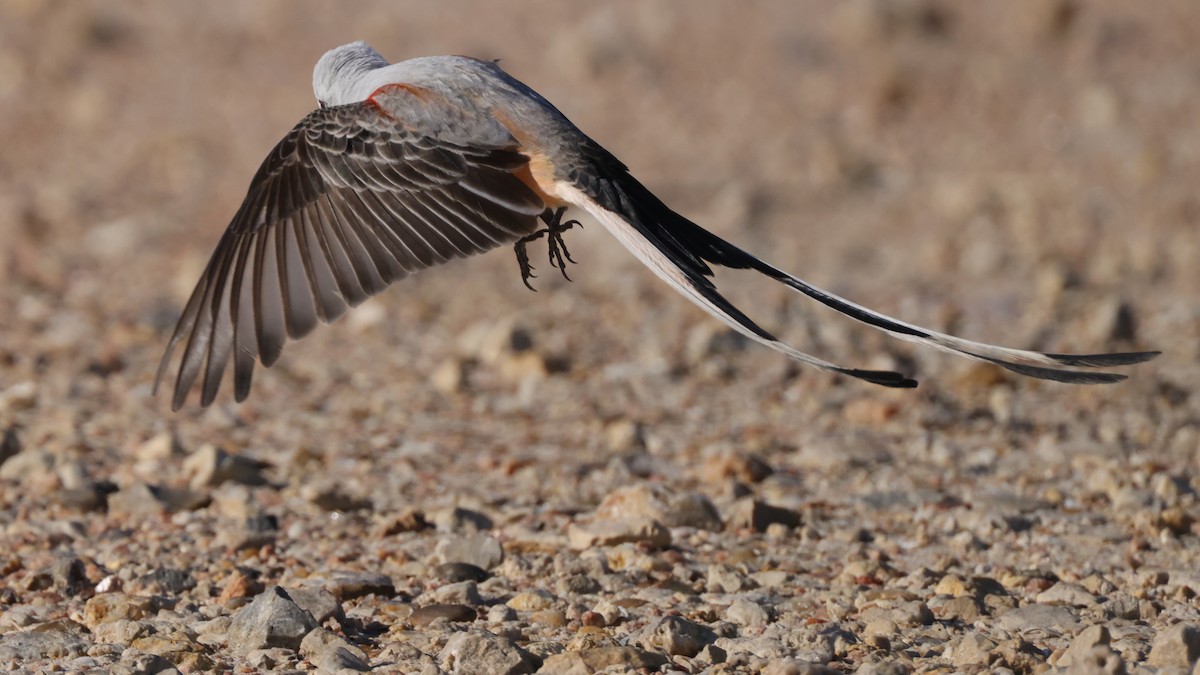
[{"x": 1018, "y": 172}]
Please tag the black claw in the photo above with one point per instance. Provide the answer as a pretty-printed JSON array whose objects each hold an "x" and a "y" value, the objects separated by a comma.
[
  {"x": 557, "y": 250},
  {"x": 523, "y": 262}
]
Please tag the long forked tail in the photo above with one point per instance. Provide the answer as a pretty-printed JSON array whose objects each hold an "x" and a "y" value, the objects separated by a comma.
[{"x": 678, "y": 251}]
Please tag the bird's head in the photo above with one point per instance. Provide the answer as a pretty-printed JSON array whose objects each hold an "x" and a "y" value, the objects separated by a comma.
[{"x": 338, "y": 70}]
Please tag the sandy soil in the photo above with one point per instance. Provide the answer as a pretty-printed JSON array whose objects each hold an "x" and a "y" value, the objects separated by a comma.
[{"x": 1019, "y": 172}]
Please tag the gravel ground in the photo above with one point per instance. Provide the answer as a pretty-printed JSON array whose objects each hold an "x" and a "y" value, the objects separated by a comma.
[{"x": 466, "y": 477}]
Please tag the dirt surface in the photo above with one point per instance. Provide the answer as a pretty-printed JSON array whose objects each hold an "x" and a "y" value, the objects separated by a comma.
[{"x": 465, "y": 476}]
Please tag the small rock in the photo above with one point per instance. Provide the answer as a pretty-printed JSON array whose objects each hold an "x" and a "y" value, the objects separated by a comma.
[
  {"x": 744, "y": 468},
  {"x": 911, "y": 613},
  {"x": 10, "y": 444},
  {"x": 462, "y": 521},
  {"x": 423, "y": 616},
  {"x": 501, "y": 613},
  {"x": 600, "y": 659},
  {"x": 350, "y": 585},
  {"x": 1121, "y": 606},
  {"x": 450, "y": 376},
  {"x": 171, "y": 644},
  {"x": 461, "y": 593},
  {"x": 530, "y": 601},
  {"x": 330, "y": 652},
  {"x": 108, "y": 607},
  {"x": 689, "y": 509},
  {"x": 1066, "y": 593},
  {"x": 485, "y": 654},
  {"x": 790, "y": 666},
  {"x": 972, "y": 649},
  {"x": 758, "y": 516},
  {"x": 551, "y": 618},
  {"x": 454, "y": 572},
  {"x": 577, "y": 584},
  {"x": 881, "y": 626},
  {"x": 965, "y": 609},
  {"x": 615, "y": 532},
  {"x": 242, "y": 583},
  {"x": 479, "y": 550},
  {"x": 332, "y": 497},
  {"x": 56, "y": 640},
  {"x": 120, "y": 632},
  {"x": 22, "y": 395},
  {"x": 67, "y": 574},
  {"x": 1039, "y": 617},
  {"x": 748, "y": 614},
  {"x": 210, "y": 466},
  {"x": 1088, "y": 640},
  {"x": 953, "y": 586},
  {"x": 319, "y": 602},
  {"x": 270, "y": 659},
  {"x": 678, "y": 636},
  {"x": 143, "y": 664},
  {"x": 137, "y": 500},
  {"x": 1178, "y": 645},
  {"x": 271, "y": 620},
  {"x": 162, "y": 581},
  {"x": 161, "y": 446},
  {"x": 724, "y": 579}
]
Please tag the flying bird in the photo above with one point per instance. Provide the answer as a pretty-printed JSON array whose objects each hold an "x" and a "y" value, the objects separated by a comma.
[{"x": 409, "y": 165}]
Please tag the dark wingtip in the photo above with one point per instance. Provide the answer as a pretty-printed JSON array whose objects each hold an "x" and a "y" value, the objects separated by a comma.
[
  {"x": 1067, "y": 376},
  {"x": 886, "y": 378},
  {"x": 1103, "y": 360}
]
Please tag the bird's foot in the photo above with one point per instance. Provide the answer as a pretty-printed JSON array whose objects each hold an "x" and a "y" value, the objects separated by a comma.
[{"x": 558, "y": 253}]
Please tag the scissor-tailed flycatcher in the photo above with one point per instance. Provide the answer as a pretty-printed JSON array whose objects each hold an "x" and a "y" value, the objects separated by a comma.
[{"x": 405, "y": 166}]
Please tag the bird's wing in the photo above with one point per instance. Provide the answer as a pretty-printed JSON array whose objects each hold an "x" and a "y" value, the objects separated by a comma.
[
  {"x": 679, "y": 251},
  {"x": 353, "y": 198}
]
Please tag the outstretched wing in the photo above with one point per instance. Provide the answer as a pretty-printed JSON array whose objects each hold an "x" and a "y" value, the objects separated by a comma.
[{"x": 352, "y": 199}]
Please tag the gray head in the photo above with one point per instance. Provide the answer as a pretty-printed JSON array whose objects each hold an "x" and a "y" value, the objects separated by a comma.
[{"x": 340, "y": 67}]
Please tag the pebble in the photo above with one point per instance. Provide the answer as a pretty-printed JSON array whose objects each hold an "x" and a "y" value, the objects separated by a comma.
[
  {"x": 10, "y": 444},
  {"x": 972, "y": 649},
  {"x": 481, "y": 551},
  {"x": 58, "y": 640},
  {"x": 758, "y": 516},
  {"x": 461, "y": 593},
  {"x": 748, "y": 614},
  {"x": 530, "y": 601},
  {"x": 725, "y": 579},
  {"x": 965, "y": 609},
  {"x": 1039, "y": 617},
  {"x": 584, "y": 536},
  {"x": 143, "y": 664},
  {"x": 350, "y": 585},
  {"x": 330, "y": 652},
  {"x": 317, "y": 601},
  {"x": 458, "y": 520},
  {"x": 271, "y": 620},
  {"x": 108, "y": 607},
  {"x": 423, "y": 616},
  {"x": 1066, "y": 593},
  {"x": 501, "y": 613},
  {"x": 1177, "y": 646},
  {"x": 209, "y": 466},
  {"x": 677, "y": 636},
  {"x": 601, "y": 659},
  {"x": 654, "y": 502},
  {"x": 120, "y": 631},
  {"x": 1085, "y": 645},
  {"x": 483, "y": 653},
  {"x": 454, "y": 572}
]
